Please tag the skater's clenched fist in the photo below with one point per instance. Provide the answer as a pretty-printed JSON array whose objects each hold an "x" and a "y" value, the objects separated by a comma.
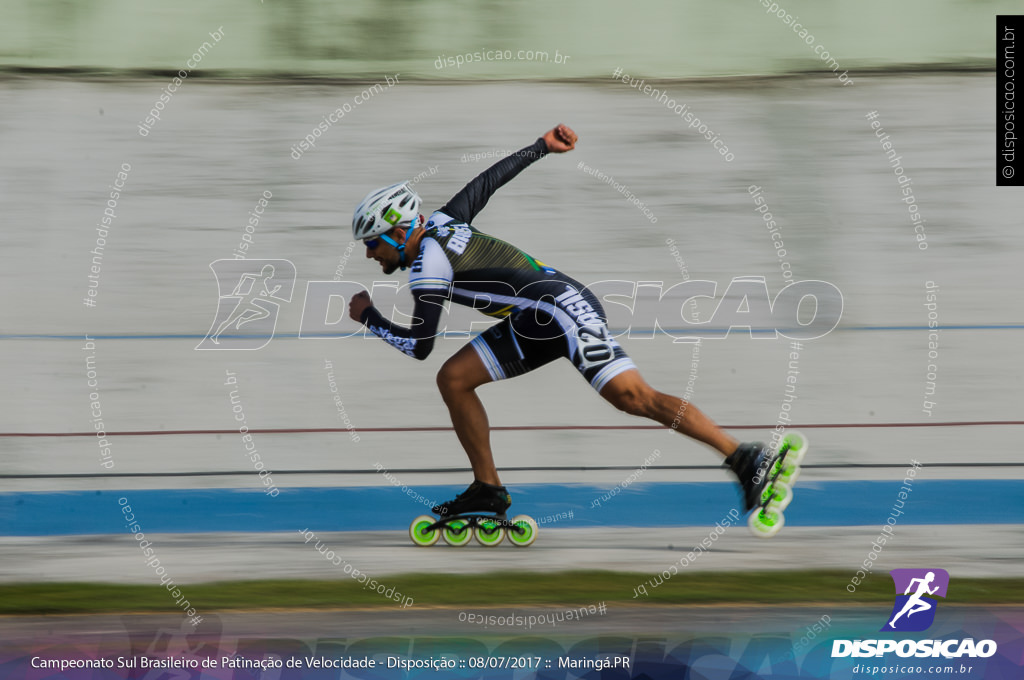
[
  {"x": 359, "y": 303},
  {"x": 560, "y": 139}
]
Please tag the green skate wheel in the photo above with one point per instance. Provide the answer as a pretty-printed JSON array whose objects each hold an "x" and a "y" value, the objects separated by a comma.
[
  {"x": 489, "y": 533},
  {"x": 782, "y": 496},
  {"x": 766, "y": 523},
  {"x": 797, "y": 447},
  {"x": 790, "y": 471},
  {"x": 523, "y": 531},
  {"x": 417, "y": 529},
  {"x": 457, "y": 533}
]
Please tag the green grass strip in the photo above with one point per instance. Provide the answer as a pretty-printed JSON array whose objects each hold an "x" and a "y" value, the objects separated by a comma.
[{"x": 495, "y": 589}]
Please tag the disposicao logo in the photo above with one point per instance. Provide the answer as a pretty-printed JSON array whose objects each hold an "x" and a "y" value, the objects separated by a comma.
[
  {"x": 914, "y": 611},
  {"x": 257, "y": 288}
]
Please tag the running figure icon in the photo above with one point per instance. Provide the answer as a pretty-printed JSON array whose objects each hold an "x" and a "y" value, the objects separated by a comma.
[
  {"x": 251, "y": 306},
  {"x": 250, "y": 293},
  {"x": 916, "y": 604},
  {"x": 915, "y": 592}
]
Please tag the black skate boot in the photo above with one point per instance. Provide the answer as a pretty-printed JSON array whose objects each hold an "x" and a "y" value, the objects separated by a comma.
[
  {"x": 479, "y": 497},
  {"x": 751, "y": 463}
]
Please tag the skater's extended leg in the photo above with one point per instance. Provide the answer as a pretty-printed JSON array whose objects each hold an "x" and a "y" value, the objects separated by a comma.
[
  {"x": 629, "y": 392},
  {"x": 458, "y": 379}
]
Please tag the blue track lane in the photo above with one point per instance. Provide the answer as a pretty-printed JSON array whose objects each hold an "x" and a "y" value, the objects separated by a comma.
[{"x": 831, "y": 503}]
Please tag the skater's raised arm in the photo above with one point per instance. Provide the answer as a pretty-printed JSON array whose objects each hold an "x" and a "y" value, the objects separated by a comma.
[{"x": 468, "y": 203}]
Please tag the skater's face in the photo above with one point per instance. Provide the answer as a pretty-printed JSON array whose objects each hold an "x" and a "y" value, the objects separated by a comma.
[{"x": 383, "y": 252}]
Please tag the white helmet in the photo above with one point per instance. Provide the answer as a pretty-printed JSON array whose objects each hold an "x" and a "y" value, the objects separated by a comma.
[{"x": 383, "y": 209}]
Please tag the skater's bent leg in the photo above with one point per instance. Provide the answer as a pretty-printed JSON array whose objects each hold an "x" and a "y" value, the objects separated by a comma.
[
  {"x": 458, "y": 379},
  {"x": 629, "y": 392}
]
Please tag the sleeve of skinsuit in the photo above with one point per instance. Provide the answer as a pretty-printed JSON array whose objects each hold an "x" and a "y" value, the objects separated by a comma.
[
  {"x": 466, "y": 204},
  {"x": 418, "y": 340}
]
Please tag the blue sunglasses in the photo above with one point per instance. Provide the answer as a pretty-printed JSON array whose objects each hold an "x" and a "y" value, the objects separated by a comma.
[{"x": 372, "y": 243}]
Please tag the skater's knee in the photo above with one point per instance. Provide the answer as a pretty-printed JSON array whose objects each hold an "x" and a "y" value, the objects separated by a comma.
[
  {"x": 446, "y": 380},
  {"x": 451, "y": 381},
  {"x": 462, "y": 373}
]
